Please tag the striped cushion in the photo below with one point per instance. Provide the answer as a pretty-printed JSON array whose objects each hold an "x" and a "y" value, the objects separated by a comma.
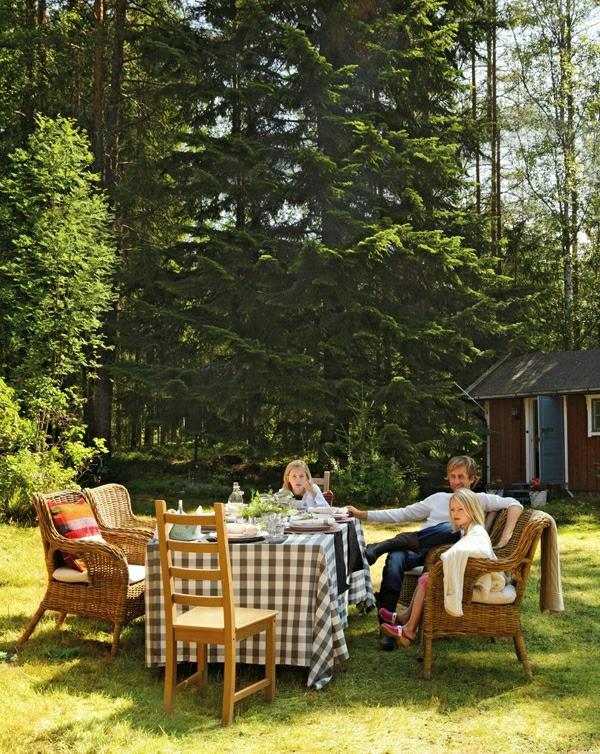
[{"x": 75, "y": 521}]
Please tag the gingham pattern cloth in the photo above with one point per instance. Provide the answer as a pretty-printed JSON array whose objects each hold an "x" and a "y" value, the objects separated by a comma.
[{"x": 298, "y": 578}]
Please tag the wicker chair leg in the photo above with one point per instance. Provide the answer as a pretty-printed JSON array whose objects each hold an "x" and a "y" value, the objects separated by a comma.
[
  {"x": 519, "y": 643},
  {"x": 115, "y": 642},
  {"x": 31, "y": 626},
  {"x": 427, "y": 659},
  {"x": 60, "y": 619}
]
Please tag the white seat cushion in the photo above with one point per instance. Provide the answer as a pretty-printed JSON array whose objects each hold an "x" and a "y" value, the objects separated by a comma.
[
  {"x": 416, "y": 571},
  {"x": 505, "y": 597},
  {"x": 73, "y": 576}
]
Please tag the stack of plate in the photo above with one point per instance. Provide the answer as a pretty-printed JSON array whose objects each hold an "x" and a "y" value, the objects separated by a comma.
[{"x": 311, "y": 524}]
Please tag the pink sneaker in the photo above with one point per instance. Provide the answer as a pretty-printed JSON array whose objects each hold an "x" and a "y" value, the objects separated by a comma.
[
  {"x": 398, "y": 634},
  {"x": 387, "y": 616}
]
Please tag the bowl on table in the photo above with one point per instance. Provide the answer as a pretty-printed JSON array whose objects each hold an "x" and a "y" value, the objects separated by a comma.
[{"x": 235, "y": 531}]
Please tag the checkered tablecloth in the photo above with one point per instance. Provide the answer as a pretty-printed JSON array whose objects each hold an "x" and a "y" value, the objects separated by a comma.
[{"x": 299, "y": 579}]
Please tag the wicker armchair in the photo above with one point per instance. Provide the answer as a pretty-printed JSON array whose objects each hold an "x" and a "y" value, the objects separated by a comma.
[
  {"x": 105, "y": 592},
  {"x": 483, "y": 619},
  {"x": 119, "y": 526}
]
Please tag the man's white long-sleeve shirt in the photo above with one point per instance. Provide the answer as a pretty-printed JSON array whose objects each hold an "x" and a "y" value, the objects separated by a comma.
[{"x": 434, "y": 509}]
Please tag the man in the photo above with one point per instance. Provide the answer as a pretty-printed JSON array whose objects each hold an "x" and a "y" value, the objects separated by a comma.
[{"x": 461, "y": 473}]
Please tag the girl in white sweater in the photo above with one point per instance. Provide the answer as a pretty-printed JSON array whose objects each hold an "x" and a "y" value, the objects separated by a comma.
[
  {"x": 298, "y": 480},
  {"x": 467, "y": 515}
]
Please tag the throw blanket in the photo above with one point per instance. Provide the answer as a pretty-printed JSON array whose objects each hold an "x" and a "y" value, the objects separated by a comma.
[
  {"x": 551, "y": 597},
  {"x": 475, "y": 544}
]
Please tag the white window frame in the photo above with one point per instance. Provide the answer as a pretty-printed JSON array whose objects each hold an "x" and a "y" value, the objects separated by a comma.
[{"x": 589, "y": 399}]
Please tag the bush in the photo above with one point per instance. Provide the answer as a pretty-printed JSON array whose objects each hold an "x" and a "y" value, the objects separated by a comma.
[
  {"x": 378, "y": 482},
  {"x": 368, "y": 474},
  {"x": 25, "y": 472},
  {"x": 25, "y": 469}
]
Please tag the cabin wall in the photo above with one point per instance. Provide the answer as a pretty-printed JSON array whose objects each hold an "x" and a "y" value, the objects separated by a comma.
[
  {"x": 583, "y": 451},
  {"x": 507, "y": 440}
]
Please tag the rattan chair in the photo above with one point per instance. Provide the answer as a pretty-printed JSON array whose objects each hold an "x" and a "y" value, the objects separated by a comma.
[
  {"x": 210, "y": 619},
  {"x": 106, "y": 591},
  {"x": 483, "y": 619},
  {"x": 112, "y": 507}
]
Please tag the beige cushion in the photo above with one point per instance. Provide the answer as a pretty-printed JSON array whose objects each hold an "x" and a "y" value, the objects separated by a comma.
[
  {"x": 72, "y": 576},
  {"x": 505, "y": 597}
]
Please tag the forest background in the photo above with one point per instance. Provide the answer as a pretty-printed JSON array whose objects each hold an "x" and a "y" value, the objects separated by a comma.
[{"x": 235, "y": 232}]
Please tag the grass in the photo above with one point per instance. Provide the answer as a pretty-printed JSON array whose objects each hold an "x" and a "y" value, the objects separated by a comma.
[{"x": 63, "y": 694}]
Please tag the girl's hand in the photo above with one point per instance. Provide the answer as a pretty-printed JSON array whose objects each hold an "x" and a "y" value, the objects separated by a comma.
[
  {"x": 308, "y": 487},
  {"x": 352, "y": 511}
]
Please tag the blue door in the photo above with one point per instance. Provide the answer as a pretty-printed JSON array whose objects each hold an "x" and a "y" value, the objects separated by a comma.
[{"x": 552, "y": 439}]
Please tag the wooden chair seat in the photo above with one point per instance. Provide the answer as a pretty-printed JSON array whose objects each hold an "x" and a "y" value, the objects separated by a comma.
[{"x": 213, "y": 619}]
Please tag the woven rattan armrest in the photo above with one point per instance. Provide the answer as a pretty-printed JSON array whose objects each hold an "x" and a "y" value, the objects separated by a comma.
[
  {"x": 132, "y": 541},
  {"x": 103, "y": 560}
]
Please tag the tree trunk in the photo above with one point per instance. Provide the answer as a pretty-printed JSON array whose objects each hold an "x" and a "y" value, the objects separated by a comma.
[
  {"x": 114, "y": 95},
  {"x": 474, "y": 116},
  {"x": 98, "y": 108}
]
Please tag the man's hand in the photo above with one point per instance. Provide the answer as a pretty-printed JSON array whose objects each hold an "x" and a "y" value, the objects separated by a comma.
[{"x": 352, "y": 511}]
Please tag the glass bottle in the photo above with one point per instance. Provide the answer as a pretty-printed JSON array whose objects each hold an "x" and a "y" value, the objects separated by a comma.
[
  {"x": 237, "y": 495},
  {"x": 235, "y": 502}
]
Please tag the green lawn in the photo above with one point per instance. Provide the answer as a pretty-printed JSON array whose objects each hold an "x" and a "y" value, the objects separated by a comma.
[{"x": 63, "y": 694}]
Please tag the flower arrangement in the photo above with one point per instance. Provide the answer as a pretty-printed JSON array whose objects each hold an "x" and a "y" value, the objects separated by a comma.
[
  {"x": 535, "y": 485},
  {"x": 263, "y": 504}
]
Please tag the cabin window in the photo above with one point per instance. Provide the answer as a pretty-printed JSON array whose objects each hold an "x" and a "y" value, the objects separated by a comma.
[{"x": 593, "y": 414}]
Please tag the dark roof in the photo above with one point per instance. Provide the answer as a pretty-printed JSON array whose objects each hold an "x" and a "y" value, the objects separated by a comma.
[{"x": 540, "y": 374}]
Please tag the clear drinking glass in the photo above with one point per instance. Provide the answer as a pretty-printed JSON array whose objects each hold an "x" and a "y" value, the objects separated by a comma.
[{"x": 274, "y": 524}]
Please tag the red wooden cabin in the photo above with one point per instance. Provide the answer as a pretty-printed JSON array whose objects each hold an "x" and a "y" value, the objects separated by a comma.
[{"x": 543, "y": 416}]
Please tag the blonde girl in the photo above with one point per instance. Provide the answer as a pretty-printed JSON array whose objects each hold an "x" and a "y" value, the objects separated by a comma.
[
  {"x": 466, "y": 514},
  {"x": 298, "y": 480}
]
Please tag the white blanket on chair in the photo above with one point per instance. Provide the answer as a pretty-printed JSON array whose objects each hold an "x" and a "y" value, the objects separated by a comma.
[{"x": 475, "y": 544}]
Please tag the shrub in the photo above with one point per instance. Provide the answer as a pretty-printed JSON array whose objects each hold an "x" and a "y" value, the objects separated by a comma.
[{"x": 25, "y": 469}]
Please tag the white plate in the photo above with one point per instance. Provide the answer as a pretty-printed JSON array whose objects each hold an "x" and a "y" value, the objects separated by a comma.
[{"x": 311, "y": 523}]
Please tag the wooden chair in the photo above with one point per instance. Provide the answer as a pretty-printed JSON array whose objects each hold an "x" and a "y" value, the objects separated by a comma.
[
  {"x": 484, "y": 619},
  {"x": 323, "y": 481},
  {"x": 210, "y": 619},
  {"x": 109, "y": 590}
]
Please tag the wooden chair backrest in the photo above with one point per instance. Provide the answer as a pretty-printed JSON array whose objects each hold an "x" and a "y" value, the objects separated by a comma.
[
  {"x": 323, "y": 481},
  {"x": 220, "y": 573}
]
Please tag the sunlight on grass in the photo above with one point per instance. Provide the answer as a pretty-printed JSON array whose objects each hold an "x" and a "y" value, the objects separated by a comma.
[{"x": 63, "y": 694}]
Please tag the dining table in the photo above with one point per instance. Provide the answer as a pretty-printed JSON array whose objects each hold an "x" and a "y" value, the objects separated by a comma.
[{"x": 309, "y": 578}]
